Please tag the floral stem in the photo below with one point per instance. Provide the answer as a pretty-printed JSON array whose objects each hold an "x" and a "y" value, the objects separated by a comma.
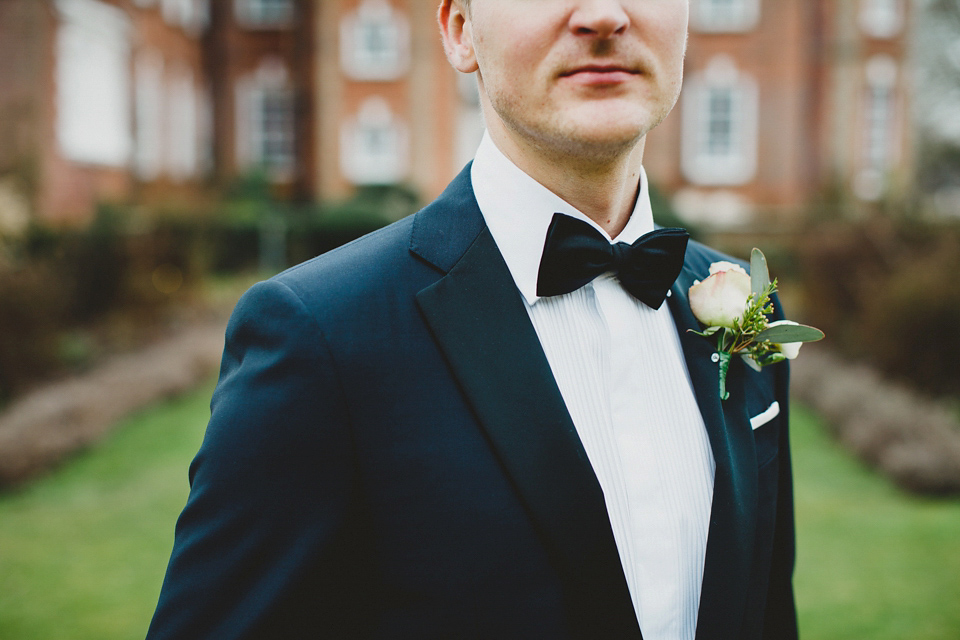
[{"x": 724, "y": 366}]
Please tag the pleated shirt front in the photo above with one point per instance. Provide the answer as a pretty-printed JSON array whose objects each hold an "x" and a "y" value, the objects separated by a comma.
[{"x": 620, "y": 369}]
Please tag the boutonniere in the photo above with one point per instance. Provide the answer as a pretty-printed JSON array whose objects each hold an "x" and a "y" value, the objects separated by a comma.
[{"x": 734, "y": 306}]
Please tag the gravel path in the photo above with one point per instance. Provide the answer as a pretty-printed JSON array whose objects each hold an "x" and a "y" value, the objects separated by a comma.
[
  {"x": 913, "y": 440},
  {"x": 43, "y": 427}
]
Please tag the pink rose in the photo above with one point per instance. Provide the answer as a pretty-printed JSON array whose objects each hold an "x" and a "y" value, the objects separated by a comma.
[{"x": 720, "y": 300}]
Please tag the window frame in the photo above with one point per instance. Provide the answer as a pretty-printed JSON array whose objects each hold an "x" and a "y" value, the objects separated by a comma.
[
  {"x": 358, "y": 63},
  {"x": 362, "y": 168},
  {"x": 271, "y": 79},
  {"x": 706, "y": 17},
  {"x": 882, "y": 19},
  {"x": 94, "y": 124},
  {"x": 251, "y": 14},
  {"x": 738, "y": 166}
]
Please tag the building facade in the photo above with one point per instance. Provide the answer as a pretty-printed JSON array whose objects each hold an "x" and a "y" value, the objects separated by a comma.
[
  {"x": 98, "y": 99},
  {"x": 782, "y": 101},
  {"x": 142, "y": 100}
]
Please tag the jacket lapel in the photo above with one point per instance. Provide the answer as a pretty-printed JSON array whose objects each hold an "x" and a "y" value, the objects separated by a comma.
[
  {"x": 729, "y": 553},
  {"x": 477, "y": 317}
]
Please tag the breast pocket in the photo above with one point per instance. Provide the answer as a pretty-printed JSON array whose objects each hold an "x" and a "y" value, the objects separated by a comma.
[{"x": 766, "y": 432}]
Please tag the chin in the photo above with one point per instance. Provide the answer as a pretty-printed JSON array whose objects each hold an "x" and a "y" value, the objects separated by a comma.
[{"x": 609, "y": 132}]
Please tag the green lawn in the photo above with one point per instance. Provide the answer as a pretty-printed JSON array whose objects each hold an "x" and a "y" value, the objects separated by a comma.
[
  {"x": 873, "y": 563},
  {"x": 82, "y": 552}
]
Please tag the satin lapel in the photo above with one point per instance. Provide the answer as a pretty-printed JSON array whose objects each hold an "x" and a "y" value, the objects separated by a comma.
[
  {"x": 729, "y": 555},
  {"x": 477, "y": 317}
]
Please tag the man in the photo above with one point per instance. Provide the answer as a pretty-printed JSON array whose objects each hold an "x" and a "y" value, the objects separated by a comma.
[{"x": 432, "y": 433}]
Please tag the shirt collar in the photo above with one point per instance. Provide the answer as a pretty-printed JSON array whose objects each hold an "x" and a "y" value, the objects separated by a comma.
[{"x": 518, "y": 211}]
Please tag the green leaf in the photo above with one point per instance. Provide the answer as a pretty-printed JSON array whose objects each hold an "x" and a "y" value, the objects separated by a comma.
[
  {"x": 759, "y": 274},
  {"x": 773, "y": 358},
  {"x": 790, "y": 333}
]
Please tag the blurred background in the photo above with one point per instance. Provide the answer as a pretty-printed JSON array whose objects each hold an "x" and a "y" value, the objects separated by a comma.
[{"x": 158, "y": 156}]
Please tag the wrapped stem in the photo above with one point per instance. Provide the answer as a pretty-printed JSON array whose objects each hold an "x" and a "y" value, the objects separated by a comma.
[{"x": 724, "y": 366}]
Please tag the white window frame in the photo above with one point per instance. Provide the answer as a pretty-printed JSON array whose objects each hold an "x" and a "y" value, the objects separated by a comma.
[
  {"x": 362, "y": 165},
  {"x": 882, "y": 18},
  {"x": 880, "y": 127},
  {"x": 178, "y": 12},
  {"x": 148, "y": 103},
  {"x": 270, "y": 82},
  {"x": 93, "y": 83},
  {"x": 275, "y": 142},
  {"x": 255, "y": 14},
  {"x": 362, "y": 63},
  {"x": 724, "y": 16},
  {"x": 702, "y": 162},
  {"x": 183, "y": 129}
]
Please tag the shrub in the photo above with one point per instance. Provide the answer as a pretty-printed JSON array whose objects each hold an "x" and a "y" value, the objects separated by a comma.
[
  {"x": 887, "y": 293},
  {"x": 913, "y": 440},
  {"x": 57, "y": 287},
  {"x": 31, "y": 308}
]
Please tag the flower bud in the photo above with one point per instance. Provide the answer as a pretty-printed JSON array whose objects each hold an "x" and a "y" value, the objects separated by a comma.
[{"x": 720, "y": 300}]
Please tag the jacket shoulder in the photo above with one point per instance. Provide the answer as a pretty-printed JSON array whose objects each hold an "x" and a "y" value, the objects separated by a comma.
[
  {"x": 699, "y": 258},
  {"x": 372, "y": 252}
]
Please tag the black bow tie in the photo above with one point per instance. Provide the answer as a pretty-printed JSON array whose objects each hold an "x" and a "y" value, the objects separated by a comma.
[{"x": 575, "y": 253}]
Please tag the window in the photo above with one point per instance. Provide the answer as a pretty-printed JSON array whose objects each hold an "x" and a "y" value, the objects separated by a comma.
[
  {"x": 375, "y": 42},
  {"x": 878, "y": 121},
  {"x": 724, "y": 15},
  {"x": 183, "y": 134},
  {"x": 265, "y": 13},
  {"x": 374, "y": 146},
  {"x": 879, "y": 127},
  {"x": 179, "y": 12},
  {"x": 273, "y": 131},
  {"x": 881, "y": 18},
  {"x": 266, "y": 121},
  {"x": 148, "y": 87},
  {"x": 93, "y": 93},
  {"x": 720, "y": 126}
]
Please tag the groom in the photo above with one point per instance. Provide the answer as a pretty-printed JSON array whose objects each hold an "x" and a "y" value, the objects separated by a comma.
[{"x": 458, "y": 427}]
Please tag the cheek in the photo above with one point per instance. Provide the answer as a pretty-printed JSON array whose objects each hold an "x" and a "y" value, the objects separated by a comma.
[
  {"x": 511, "y": 41},
  {"x": 668, "y": 30}
]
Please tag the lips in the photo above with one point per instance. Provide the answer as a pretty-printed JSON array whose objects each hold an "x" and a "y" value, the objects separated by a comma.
[
  {"x": 598, "y": 76},
  {"x": 598, "y": 69}
]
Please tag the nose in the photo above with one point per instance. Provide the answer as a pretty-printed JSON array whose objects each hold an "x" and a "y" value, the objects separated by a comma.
[{"x": 600, "y": 18}]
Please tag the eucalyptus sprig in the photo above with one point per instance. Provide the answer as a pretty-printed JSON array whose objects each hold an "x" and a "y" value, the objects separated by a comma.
[{"x": 735, "y": 307}]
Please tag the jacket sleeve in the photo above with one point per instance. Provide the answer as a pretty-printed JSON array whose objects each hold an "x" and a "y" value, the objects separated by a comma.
[{"x": 266, "y": 545}]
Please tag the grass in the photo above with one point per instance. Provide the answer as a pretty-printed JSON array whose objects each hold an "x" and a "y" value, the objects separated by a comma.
[
  {"x": 82, "y": 551},
  {"x": 872, "y": 561}
]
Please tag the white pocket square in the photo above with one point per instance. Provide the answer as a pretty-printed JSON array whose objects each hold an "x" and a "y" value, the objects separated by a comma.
[{"x": 763, "y": 418}]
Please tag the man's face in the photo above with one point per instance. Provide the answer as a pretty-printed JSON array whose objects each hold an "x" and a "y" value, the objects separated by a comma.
[{"x": 589, "y": 77}]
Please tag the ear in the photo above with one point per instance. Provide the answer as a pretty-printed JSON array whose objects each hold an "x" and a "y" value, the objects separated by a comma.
[{"x": 457, "y": 33}]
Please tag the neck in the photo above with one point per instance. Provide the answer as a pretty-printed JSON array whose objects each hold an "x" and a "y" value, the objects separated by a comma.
[{"x": 605, "y": 189}]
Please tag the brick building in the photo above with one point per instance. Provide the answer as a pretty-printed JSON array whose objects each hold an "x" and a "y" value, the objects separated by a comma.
[
  {"x": 783, "y": 99},
  {"x": 327, "y": 96},
  {"x": 140, "y": 100},
  {"x": 98, "y": 99}
]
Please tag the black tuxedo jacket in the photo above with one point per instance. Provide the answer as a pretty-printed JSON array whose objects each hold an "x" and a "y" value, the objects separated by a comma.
[{"x": 389, "y": 456}]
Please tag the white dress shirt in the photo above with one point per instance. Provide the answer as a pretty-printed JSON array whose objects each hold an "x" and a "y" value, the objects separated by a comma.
[{"x": 620, "y": 370}]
